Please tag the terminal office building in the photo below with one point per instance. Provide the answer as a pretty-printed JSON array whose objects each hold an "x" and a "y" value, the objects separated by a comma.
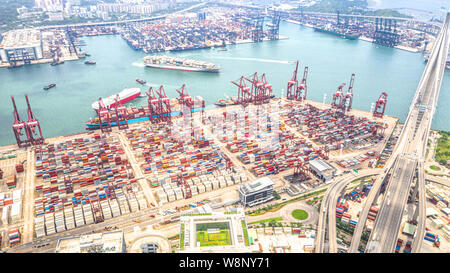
[{"x": 256, "y": 192}]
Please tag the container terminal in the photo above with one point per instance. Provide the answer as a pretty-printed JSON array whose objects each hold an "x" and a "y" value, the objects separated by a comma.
[
  {"x": 204, "y": 29},
  {"x": 152, "y": 171},
  {"x": 150, "y": 178},
  {"x": 172, "y": 162}
]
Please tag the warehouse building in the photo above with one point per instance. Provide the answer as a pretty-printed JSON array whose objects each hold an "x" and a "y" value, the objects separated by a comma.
[
  {"x": 256, "y": 192},
  {"x": 21, "y": 45},
  {"x": 322, "y": 170},
  {"x": 108, "y": 242}
]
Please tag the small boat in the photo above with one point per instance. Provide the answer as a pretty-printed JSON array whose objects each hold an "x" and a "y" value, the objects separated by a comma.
[
  {"x": 141, "y": 81},
  {"x": 56, "y": 63},
  {"x": 90, "y": 62},
  {"x": 222, "y": 49},
  {"x": 87, "y": 54},
  {"x": 228, "y": 102},
  {"x": 47, "y": 87}
]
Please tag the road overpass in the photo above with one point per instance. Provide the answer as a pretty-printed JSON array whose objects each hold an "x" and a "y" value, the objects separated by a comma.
[
  {"x": 407, "y": 157},
  {"x": 328, "y": 210}
]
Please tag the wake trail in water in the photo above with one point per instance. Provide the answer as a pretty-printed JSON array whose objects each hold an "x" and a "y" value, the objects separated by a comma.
[
  {"x": 256, "y": 60},
  {"x": 138, "y": 64},
  {"x": 157, "y": 85}
]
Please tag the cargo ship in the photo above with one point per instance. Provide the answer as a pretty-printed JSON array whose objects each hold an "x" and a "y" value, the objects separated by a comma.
[
  {"x": 347, "y": 34},
  {"x": 47, "y": 87},
  {"x": 134, "y": 114},
  {"x": 166, "y": 62},
  {"x": 126, "y": 95}
]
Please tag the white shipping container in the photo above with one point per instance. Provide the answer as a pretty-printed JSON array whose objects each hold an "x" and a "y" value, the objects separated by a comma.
[{"x": 5, "y": 215}]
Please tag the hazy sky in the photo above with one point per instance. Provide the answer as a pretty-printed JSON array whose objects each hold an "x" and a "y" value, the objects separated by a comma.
[{"x": 429, "y": 5}]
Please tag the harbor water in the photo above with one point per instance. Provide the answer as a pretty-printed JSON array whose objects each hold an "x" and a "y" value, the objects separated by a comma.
[{"x": 64, "y": 109}]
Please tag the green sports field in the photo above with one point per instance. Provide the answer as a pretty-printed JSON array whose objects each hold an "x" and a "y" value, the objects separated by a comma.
[{"x": 220, "y": 238}]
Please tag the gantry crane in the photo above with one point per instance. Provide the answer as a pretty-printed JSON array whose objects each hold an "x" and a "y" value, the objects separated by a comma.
[
  {"x": 244, "y": 94},
  {"x": 348, "y": 97},
  {"x": 18, "y": 127},
  {"x": 104, "y": 117},
  {"x": 32, "y": 123},
  {"x": 152, "y": 102},
  {"x": 380, "y": 106},
  {"x": 121, "y": 114},
  {"x": 296, "y": 91}
]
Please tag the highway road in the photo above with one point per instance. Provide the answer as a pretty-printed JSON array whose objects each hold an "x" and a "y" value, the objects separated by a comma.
[
  {"x": 328, "y": 210},
  {"x": 408, "y": 155}
]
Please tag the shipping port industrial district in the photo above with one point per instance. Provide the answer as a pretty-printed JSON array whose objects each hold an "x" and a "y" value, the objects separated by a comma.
[{"x": 260, "y": 174}]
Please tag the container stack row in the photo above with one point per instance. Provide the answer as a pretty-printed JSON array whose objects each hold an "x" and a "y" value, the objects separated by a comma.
[
  {"x": 170, "y": 192},
  {"x": 326, "y": 127}
]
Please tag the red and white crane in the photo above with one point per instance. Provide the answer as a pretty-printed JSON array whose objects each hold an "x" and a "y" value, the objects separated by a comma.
[
  {"x": 104, "y": 117},
  {"x": 244, "y": 94},
  {"x": 380, "y": 106},
  {"x": 297, "y": 91},
  {"x": 18, "y": 127},
  {"x": 164, "y": 108},
  {"x": 32, "y": 124},
  {"x": 153, "y": 107},
  {"x": 121, "y": 114}
]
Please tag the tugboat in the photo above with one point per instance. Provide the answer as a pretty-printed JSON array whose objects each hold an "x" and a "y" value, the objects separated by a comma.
[
  {"x": 90, "y": 62},
  {"x": 141, "y": 81},
  {"x": 56, "y": 63},
  {"x": 47, "y": 87},
  {"x": 228, "y": 102}
]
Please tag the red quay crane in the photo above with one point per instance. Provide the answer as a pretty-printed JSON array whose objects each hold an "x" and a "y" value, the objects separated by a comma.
[
  {"x": 153, "y": 107},
  {"x": 338, "y": 97},
  {"x": 164, "y": 108},
  {"x": 18, "y": 126},
  {"x": 186, "y": 103},
  {"x": 185, "y": 99},
  {"x": 292, "y": 85},
  {"x": 296, "y": 91},
  {"x": 244, "y": 94},
  {"x": 380, "y": 106},
  {"x": 348, "y": 97},
  {"x": 302, "y": 89},
  {"x": 267, "y": 92},
  {"x": 104, "y": 117},
  {"x": 32, "y": 123},
  {"x": 121, "y": 114}
]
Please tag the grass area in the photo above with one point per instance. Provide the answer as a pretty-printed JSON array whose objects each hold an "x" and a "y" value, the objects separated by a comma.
[
  {"x": 208, "y": 238},
  {"x": 300, "y": 214},
  {"x": 275, "y": 219},
  {"x": 443, "y": 148},
  {"x": 246, "y": 240},
  {"x": 275, "y": 207},
  {"x": 220, "y": 238},
  {"x": 435, "y": 168},
  {"x": 182, "y": 237}
]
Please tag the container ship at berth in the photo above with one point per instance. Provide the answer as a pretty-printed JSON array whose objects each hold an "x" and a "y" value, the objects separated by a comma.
[
  {"x": 141, "y": 113},
  {"x": 125, "y": 95},
  {"x": 337, "y": 32},
  {"x": 166, "y": 62}
]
